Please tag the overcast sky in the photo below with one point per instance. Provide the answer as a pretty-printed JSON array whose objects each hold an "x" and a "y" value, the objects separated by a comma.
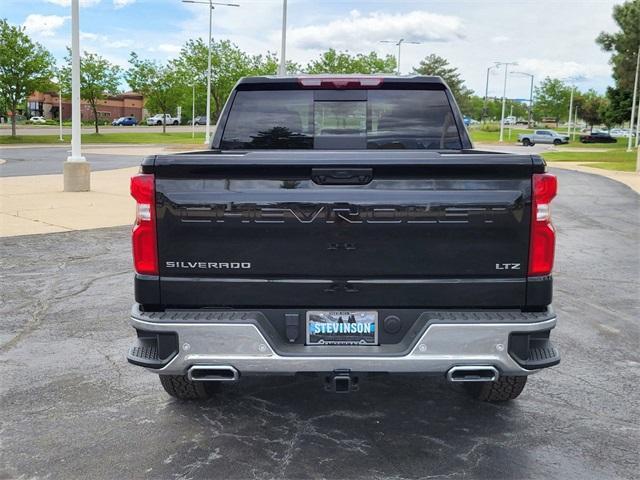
[{"x": 546, "y": 38}]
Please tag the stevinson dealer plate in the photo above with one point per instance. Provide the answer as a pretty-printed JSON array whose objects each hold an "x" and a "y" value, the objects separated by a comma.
[{"x": 342, "y": 327}]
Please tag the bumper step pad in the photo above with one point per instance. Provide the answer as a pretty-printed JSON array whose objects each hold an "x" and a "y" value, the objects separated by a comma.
[
  {"x": 153, "y": 350},
  {"x": 541, "y": 354}
]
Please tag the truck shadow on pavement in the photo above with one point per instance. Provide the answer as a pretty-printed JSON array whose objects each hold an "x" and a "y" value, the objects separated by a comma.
[{"x": 289, "y": 427}]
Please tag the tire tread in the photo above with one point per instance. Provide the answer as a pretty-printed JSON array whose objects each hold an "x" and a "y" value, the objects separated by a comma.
[
  {"x": 179, "y": 386},
  {"x": 504, "y": 389}
]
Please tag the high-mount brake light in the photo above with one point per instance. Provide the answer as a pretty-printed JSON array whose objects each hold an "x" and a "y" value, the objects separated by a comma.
[
  {"x": 543, "y": 235},
  {"x": 340, "y": 82},
  {"x": 143, "y": 235}
]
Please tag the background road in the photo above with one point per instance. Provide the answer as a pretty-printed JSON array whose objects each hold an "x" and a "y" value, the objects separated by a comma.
[
  {"x": 73, "y": 408},
  {"x": 49, "y": 160}
]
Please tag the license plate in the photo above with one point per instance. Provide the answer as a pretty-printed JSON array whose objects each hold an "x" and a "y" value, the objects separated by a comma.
[{"x": 342, "y": 328}]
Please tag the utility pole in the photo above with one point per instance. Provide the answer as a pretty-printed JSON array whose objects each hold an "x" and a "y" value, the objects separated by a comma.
[
  {"x": 282, "y": 70},
  {"x": 399, "y": 45},
  {"x": 504, "y": 96},
  {"x": 575, "y": 123},
  {"x": 76, "y": 170},
  {"x": 210, "y": 3},
  {"x": 633, "y": 104}
]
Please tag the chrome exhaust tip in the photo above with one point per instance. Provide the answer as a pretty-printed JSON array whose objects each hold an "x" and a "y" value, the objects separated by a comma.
[
  {"x": 473, "y": 373},
  {"x": 213, "y": 373}
]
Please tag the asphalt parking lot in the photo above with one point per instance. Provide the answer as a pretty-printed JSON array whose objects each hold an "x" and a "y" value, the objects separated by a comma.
[
  {"x": 73, "y": 408},
  {"x": 48, "y": 160}
]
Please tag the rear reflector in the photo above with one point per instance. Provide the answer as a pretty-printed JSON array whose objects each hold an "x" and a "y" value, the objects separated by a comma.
[
  {"x": 145, "y": 252},
  {"x": 340, "y": 82},
  {"x": 543, "y": 235}
]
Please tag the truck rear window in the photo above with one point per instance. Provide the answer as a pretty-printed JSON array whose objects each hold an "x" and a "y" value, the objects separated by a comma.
[{"x": 376, "y": 119}]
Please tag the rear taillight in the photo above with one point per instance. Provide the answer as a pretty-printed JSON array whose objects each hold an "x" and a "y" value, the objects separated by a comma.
[
  {"x": 543, "y": 235},
  {"x": 145, "y": 252}
]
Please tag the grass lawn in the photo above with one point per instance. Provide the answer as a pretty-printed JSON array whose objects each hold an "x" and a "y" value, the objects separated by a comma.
[
  {"x": 621, "y": 143},
  {"x": 125, "y": 137},
  {"x": 478, "y": 135},
  {"x": 614, "y": 159}
]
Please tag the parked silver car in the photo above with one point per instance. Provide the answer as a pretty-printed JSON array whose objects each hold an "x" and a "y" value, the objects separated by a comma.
[{"x": 542, "y": 136}]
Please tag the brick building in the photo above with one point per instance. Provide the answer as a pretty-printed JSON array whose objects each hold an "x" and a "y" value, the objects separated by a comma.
[{"x": 45, "y": 104}]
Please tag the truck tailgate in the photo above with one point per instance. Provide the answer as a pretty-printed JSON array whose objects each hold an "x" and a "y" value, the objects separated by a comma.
[{"x": 338, "y": 229}]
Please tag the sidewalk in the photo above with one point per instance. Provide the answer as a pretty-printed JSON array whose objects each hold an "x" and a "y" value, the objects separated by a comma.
[
  {"x": 630, "y": 179},
  {"x": 36, "y": 204}
]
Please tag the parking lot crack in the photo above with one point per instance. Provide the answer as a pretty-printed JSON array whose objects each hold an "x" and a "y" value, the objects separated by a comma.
[{"x": 87, "y": 285}]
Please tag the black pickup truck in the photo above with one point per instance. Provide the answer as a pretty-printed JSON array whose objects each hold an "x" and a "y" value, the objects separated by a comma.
[{"x": 343, "y": 226}]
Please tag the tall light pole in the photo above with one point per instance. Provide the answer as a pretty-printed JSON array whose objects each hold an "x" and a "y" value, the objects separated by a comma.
[
  {"x": 76, "y": 171},
  {"x": 282, "y": 69},
  {"x": 193, "y": 110},
  {"x": 504, "y": 95},
  {"x": 399, "y": 45},
  {"x": 529, "y": 122},
  {"x": 58, "y": 82},
  {"x": 570, "y": 111},
  {"x": 211, "y": 4},
  {"x": 633, "y": 103},
  {"x": 638, "y": 131},
  {"x": 486, "y": 92}
]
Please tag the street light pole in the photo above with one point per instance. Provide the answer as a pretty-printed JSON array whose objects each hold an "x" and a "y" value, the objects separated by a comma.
[
  {"x": 399, "y": 45},
  {"x": 633, "y": 103},
  {"x": 570, "y": 111},
  {"x": 76, "y": 171},
  {"x": 282, "y": 70},
  {"x": 59, "y": 82},
  {"x": 207, "y": 130},
  {"x": 504, "y": 96},
  {"x": 486, "y": 93},
  {"x": 638, "y": 131},
  {"x": 193, "y": 110},
  {"x": 210, "y": 3},
  {"x": 60, "y": 110}
]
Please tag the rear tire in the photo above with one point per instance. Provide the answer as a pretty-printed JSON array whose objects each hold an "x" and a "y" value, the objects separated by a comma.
[
  {"x": 504, "y": 389},
  {"x": 180, "y": 387}
]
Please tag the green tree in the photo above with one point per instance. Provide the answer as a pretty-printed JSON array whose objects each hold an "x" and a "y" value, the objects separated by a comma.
[
  {"x": 228, "y": 64},
  {"x": 162, "y": 86},
  {"x": 624, "y": 43},
  {"x": 440, "y": 66},
  {"x": 592, "y": 107},
  {"x": 552, "y": 98},
  {"x": 99, "y": 78},
  {"x": 616, "y": 110},
  {"x": 25, "y": 66},
  {"x": 332, "y": 61}
]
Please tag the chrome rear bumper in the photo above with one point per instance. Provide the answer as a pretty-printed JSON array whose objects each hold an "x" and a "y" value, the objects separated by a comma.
[{"x": 234, "y": 339}]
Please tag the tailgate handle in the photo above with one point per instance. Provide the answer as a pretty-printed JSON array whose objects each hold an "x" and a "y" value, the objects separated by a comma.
[{"x": 341, "y": 176}]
